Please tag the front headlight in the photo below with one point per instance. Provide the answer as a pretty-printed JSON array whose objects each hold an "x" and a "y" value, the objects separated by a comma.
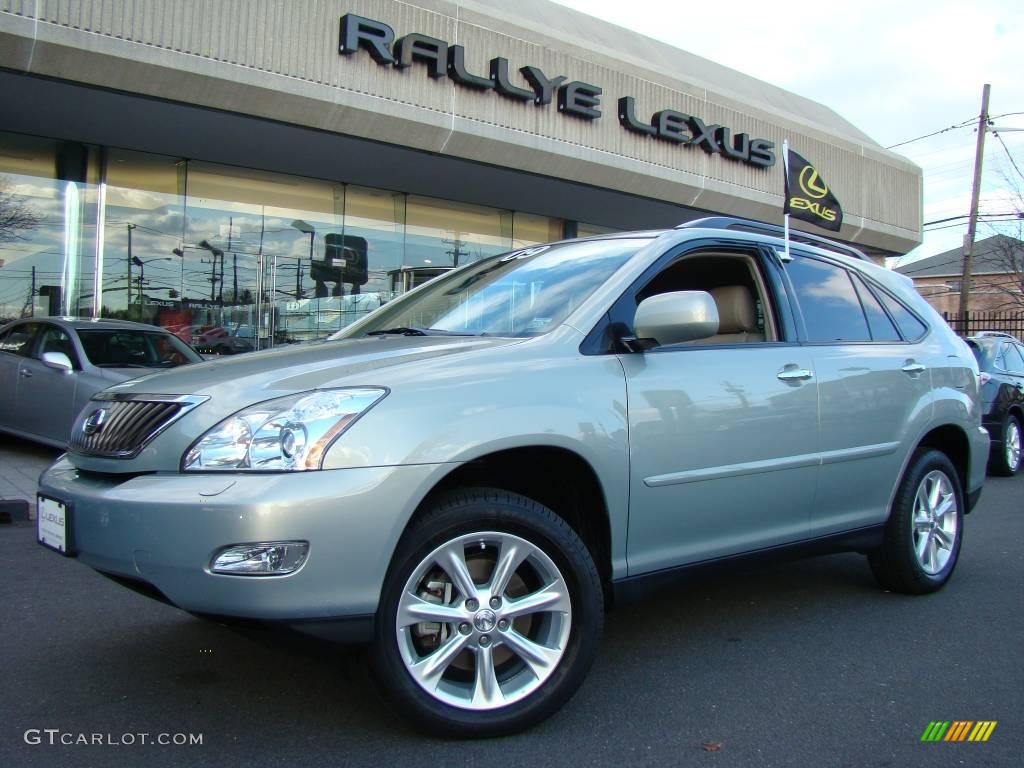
[{"x": 287, "y": 434}]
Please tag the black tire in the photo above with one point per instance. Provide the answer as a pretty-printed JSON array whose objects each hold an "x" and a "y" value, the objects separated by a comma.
[
  {"x": 1000, "y": 463},
  {"x": 505, "y": 518},
  {"x": 895, "y": 563}
]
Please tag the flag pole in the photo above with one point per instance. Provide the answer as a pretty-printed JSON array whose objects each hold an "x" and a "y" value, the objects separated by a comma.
[{"x": 785, "y": 170}]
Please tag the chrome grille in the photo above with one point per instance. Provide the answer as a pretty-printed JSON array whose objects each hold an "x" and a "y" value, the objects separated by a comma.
[{"x": 120, "y": 425}]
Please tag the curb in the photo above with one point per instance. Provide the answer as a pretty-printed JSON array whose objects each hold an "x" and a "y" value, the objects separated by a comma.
[{"x": 13, "y": 510}]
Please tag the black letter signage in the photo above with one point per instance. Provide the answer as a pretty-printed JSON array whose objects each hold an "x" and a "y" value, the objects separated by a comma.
[
  {"x": 429, "y": 50},
  {"x": 579, "y": 99},
  {"x": 375, "y": 37},
  {"x": 575, "y": 98},
  {"x": 499, "y": 74},
  {"x": 457, "y": 70}
]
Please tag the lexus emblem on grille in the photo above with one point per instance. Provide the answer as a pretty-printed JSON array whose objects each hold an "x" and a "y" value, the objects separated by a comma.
[{"x": 94, "y": 424}]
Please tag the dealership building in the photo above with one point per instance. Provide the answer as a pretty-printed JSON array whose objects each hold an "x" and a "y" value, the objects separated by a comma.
[{"x": 274, "y": 169}]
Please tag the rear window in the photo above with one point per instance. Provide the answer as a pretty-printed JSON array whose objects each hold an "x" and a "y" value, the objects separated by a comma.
[
  {"x": 910, "y": 326},
  {"x": 882, "y": 328},
  {"x": 831, "y": 309}
]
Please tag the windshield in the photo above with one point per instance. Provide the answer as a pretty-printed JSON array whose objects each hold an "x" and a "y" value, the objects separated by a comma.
[
  {"x": 118, "y": 348},
  {"x": 522, "y": 293}
]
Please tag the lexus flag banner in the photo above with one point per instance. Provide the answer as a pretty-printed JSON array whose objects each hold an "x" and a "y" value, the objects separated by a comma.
[{"x": 808, "y": 197}]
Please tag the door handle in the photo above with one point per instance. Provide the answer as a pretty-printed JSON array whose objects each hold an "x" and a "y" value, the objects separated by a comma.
[
  {"x": 26, "y": 373},
  {"x": 912, "y": 368},
  {"x": 795, "y": 374}
]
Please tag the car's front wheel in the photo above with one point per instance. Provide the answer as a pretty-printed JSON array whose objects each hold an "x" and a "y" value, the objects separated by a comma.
[
  {"x": 921, "y": 542},
  {"x": 1006, "y": 462},
  {"x": 489, "y": 618}
]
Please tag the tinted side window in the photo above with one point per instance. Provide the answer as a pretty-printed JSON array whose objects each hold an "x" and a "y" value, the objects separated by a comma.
[
  {"x": 831, "y": 309},
  {"x": 912, "y": 328},
  {"x": 1014, "y": 361},
  {"x": 1001, "y": 362},
  {"x": 19, "y": 340},
  {"x": 882, "y": 328}
]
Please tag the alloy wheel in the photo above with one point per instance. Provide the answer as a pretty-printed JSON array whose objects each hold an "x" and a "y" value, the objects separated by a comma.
[
  {"x": 1012, "y": 445},
  {"x": 935, "y": 521},
  {"x": 483, "y": 620}
]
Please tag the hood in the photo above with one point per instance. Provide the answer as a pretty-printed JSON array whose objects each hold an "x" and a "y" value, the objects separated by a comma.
[{"x": 301, "y": 367}]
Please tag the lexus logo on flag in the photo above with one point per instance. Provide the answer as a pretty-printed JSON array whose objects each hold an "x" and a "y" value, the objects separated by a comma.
[{"x": 808, "y": 197}]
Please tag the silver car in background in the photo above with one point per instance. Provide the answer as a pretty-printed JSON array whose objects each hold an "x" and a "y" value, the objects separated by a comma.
[
  {"x": 51, "y": 366},
  {"x": 469, "y": 475}
]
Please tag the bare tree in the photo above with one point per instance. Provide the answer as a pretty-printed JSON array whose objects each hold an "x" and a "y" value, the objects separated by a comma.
[
  {"x": 1006, "y": 253},
  {"x": 16, "y": 215}
]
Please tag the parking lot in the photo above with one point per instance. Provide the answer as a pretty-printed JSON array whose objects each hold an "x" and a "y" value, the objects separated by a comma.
[{"x": 803, "y": 664}]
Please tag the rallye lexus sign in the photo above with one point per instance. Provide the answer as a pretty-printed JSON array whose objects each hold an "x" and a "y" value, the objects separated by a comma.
[{"x": 574, "y": 98}]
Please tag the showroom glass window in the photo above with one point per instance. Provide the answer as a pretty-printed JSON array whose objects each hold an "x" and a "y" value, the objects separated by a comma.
[
  {"x": 228, "y": 259},
  {"x": 47, "y": 227}
]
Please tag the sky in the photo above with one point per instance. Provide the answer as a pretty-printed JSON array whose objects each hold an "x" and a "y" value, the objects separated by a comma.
[{"x": 897, "y": 70}]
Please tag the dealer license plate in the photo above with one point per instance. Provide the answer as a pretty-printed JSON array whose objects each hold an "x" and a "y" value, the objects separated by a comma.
[{"x": 52, "y": 524}]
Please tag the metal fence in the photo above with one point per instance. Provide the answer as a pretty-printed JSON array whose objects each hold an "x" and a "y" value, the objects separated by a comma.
[{"x": 1007, "y": 322}]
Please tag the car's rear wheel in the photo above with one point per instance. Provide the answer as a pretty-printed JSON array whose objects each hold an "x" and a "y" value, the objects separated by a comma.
[
  {"x": 922, "y": 537},
  {"x": 490, "y": 616},
  {"x": 1006, "y": 462}
]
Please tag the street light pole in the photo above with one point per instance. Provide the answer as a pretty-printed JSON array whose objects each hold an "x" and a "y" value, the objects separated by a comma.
[
  {"x": 141, "y": 264},
  {"x": 310, "y": 230},
  {"x": 129, "y": 294}
]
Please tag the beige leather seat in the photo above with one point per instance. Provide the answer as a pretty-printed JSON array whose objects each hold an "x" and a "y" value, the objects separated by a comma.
[{"x": 737, "y": 317}]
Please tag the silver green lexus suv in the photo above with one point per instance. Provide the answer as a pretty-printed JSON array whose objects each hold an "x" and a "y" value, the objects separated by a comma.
[{"x": 469, "y": 476}]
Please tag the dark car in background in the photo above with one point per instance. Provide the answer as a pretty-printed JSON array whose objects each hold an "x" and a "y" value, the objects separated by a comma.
[
  {"x": 219, "y": 340},
  {"x": 50, "y": 367},
  {"x": 1001, "y": 362}
]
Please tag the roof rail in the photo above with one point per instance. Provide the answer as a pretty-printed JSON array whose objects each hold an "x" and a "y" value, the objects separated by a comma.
[{"x": 799, "y": 236}]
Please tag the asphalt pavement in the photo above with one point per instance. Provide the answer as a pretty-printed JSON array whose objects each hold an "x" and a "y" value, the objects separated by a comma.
[{"x": 802, "y": 664}]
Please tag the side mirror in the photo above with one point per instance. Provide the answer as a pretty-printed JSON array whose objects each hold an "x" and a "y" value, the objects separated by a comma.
[
  {"x": 673, "y": 318},
  {"x": 58, "y": 360}
]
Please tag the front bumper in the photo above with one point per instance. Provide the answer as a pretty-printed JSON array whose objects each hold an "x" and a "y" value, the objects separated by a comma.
[
  {"x": 164, "y": 529},
  {"x": 992, "y": 421}
]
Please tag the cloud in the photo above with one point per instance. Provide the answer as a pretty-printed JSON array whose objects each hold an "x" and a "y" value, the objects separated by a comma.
[{"x": 894, "y": 70}]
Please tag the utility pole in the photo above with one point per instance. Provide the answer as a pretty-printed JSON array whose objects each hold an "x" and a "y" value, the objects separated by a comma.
[
  {"x": 30, "y": 303},
  {"x": 456, "y": 250},
  {"x": 972, "y": 224}
]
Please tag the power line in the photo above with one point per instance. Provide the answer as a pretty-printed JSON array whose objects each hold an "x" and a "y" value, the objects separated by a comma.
[
  {"x": 964, "y": 124},
  {"x": 1008, "y": 155},
  {"x": 1015, "y": 214},
  {"x": 962, "y": 224},
  {"x": 930, "y": 266}
]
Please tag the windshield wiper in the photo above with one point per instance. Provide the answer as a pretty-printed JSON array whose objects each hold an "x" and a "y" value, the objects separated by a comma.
[{"x": 409, "y": 330}]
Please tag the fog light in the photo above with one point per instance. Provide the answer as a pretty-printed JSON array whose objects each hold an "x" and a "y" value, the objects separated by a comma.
[{"x": 274, "y": 558}]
